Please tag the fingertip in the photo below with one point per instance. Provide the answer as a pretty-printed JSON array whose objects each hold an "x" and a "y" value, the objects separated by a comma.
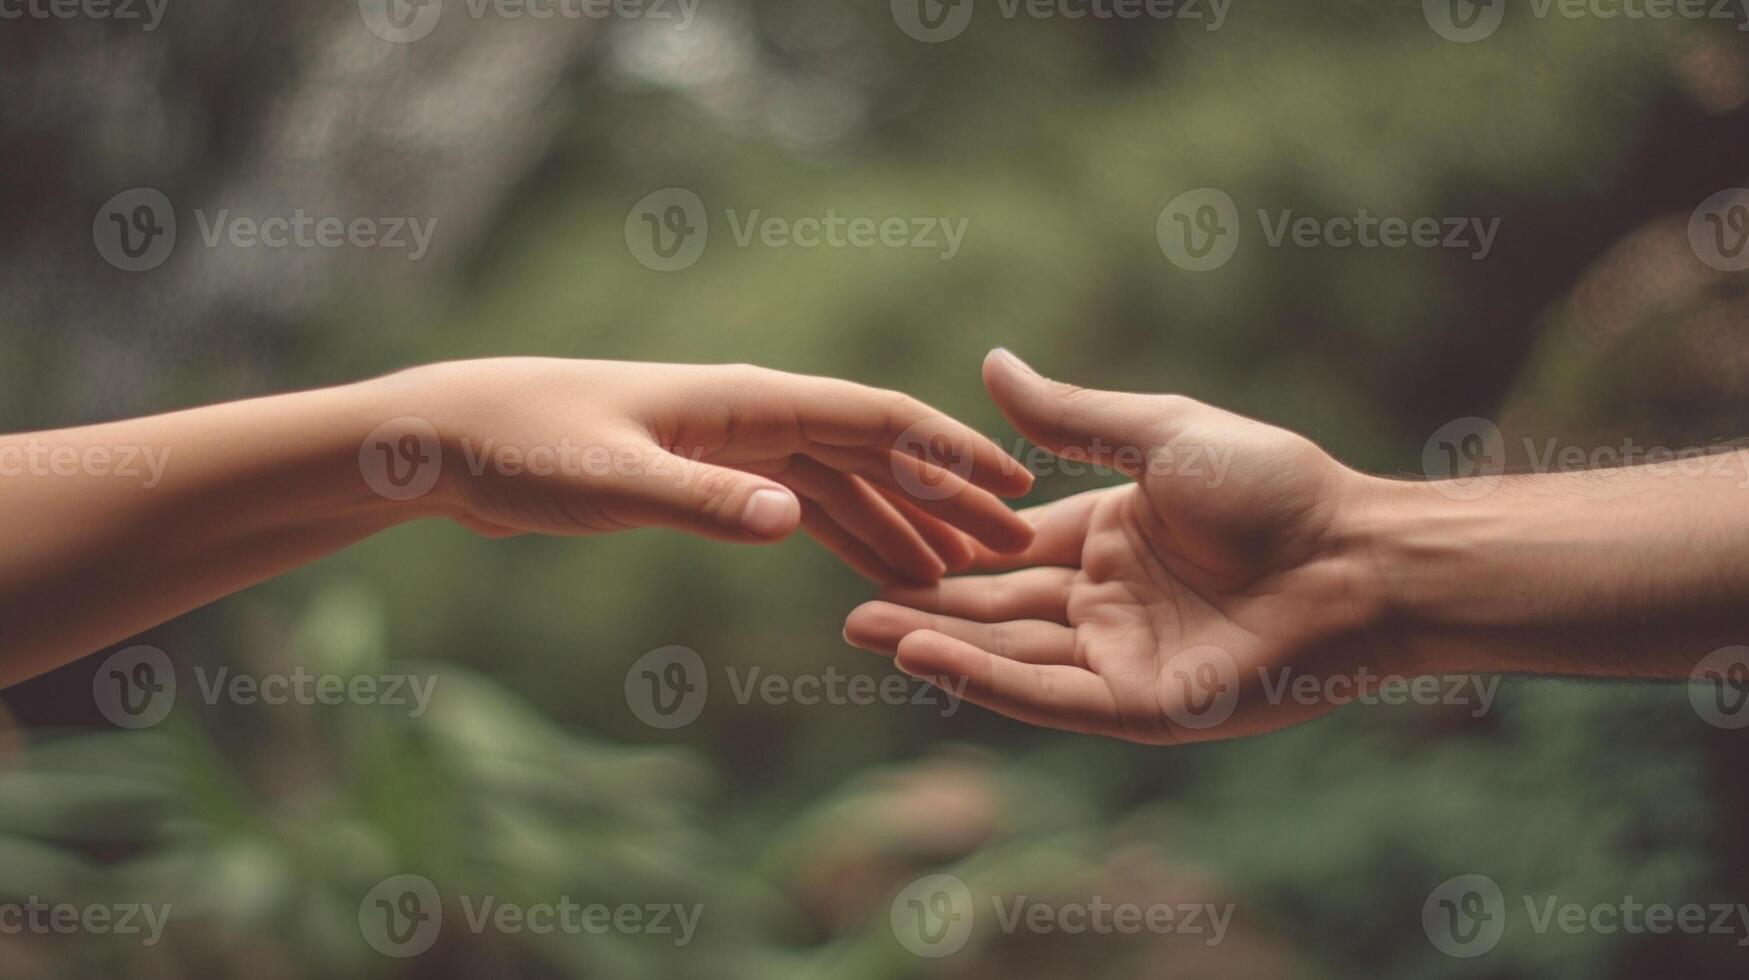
[
  {"x": 771, "y": 513},
  {"x": 1002, "y": 359},
  {"x": 928, "y": 573},
  {"x": 955, "y": 551},
  {"x": 928, "y": 654},
  {"x": 1012, "y": 537},
  {"x": 869, "y": 627},
  {"x": 1013, "y": 479},
  {"x": 962, "y": 558}
]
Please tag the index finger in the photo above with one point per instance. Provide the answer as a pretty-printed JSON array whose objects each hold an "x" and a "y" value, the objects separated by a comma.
[{"x": 834, "y": 412}]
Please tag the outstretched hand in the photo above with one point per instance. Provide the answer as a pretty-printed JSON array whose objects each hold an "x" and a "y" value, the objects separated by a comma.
[
  {"x": 1154, "y": 611},
  {"x": 241, "y": 492},
  {"x": 736, "y": 453}
]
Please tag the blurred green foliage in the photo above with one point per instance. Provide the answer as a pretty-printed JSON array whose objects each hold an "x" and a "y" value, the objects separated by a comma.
[{"x": 794, "y": 825}]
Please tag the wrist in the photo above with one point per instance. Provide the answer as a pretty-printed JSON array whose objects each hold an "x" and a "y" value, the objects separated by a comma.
[
  {"x": 1493, "y": 575},
  {"x": 403, "y": 444},
  {"x": 1429, "y": 565}
]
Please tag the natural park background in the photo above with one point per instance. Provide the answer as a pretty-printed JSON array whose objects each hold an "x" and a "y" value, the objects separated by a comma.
[{"x": 1590, "y": 322}]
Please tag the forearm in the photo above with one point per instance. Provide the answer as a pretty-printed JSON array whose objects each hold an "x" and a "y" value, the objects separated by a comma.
[
  {"x": 1633, "y": 572},
  {"x": 115, "y": 528}
]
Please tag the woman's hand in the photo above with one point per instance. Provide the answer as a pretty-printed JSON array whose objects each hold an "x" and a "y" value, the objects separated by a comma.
[
  {"x": 111, "y": 529},
  {"x": 1153, "y": 611},
  {"x": 736, "y": 453}
]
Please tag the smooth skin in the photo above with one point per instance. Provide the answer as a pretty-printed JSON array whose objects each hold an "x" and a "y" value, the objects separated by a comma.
[
  {"x": 1155, "y": 611},
  {"x": 249, "y": 490}
]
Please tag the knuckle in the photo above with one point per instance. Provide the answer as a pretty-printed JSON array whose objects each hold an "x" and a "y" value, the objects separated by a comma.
[
  {"x": 1173, "y": 403},
  {"x": 1075, "y": 394},
  {"x": 716, "y": 493},
  {"x": 744, "y": 377}
]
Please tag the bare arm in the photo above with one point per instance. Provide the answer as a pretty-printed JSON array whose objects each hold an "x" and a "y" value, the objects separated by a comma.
[
  {"x": 1631, "y": 572},
  {"x": 113, "y": 528}
]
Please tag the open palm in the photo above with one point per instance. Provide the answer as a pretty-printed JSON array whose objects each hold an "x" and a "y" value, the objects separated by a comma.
[{"x": 1210, "y": 598}]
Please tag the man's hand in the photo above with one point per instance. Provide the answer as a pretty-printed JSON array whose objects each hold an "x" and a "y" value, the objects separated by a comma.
[
  {"x": 1147, "y": 611},
  {"x": 1247, "y": 581}
]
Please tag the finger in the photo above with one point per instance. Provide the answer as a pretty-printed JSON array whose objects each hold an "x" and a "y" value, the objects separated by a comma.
[
  {"x": 936, "y": 491},
  {"x": 841, "y": 413},
  {"x": 1059, "y": 532},
  {"x": 834, "y": 538},
  {"x": 855, "y": 506},
  {"x": 713, "y": 501},
  {"x": 1109, "y": 428},
  {"x": 1031, "y": 593},
  {"x": 1051, "y": 695},
  {"x": 879, "y": 627},
  {"x": 955, "y": 549}
]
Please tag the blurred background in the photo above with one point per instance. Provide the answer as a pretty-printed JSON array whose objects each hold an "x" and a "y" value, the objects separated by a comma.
[{"x": 1595, "y": 318}]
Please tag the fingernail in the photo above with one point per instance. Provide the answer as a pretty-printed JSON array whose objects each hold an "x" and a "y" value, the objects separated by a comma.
[
  {"x": 769, "y": 513},
  {"x": 1014, "y": 359}
]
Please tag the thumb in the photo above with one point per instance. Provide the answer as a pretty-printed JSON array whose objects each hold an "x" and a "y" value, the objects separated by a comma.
[
  {"x": 705, "y": 499},
  {"x": 1110, "y": 428}
]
